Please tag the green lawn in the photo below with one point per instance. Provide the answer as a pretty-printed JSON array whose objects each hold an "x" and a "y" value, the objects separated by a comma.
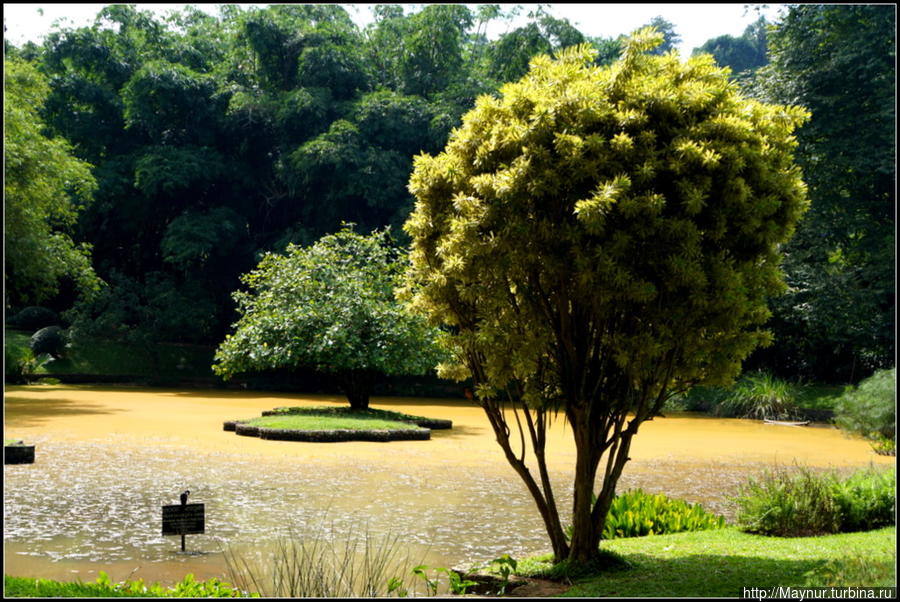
[
  {"x": 720, "y": 562},
  {"x": 368, "y": 413},
  {"x": 103, "y": 587},
  {"x": 21, "y": 587}
]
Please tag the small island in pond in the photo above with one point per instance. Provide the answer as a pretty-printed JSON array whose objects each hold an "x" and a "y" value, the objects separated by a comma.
[{"x": 330, "y": 424}]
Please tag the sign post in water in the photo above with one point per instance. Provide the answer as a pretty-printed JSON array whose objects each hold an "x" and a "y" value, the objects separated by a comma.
[{"x": 183, "y": 519}]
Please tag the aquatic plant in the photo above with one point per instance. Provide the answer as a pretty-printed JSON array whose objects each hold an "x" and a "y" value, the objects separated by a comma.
[
  {"x": 636, "y": 513},
  {"x": 760, "y": 395},
  {"x": 325, "y": 566}
]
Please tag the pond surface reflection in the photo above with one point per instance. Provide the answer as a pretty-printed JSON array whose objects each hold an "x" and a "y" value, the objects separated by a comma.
[{"x": 108, "y": 459}]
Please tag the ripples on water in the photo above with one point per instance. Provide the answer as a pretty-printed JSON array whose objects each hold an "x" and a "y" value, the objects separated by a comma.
[{"x": 101, "y": 503}]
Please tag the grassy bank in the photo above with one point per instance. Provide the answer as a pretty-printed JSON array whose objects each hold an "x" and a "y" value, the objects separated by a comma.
[
  {"x": 104, "y": 358},
  {"x": 716, "y": 563},
  {"x": 103, "y": 587},
  {"x": 721, "y": 562}
]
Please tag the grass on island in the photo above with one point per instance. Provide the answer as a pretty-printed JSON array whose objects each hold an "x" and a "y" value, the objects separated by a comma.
[
  {"x": 347, "y": 412},
  {"x": 721, "y": 562},
  {"x": 325, "y": 422}
]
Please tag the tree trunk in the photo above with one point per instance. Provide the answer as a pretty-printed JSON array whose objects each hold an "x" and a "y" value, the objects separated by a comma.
[
  {"x": 358, "y": 400},
  {"x": 618, "y": 456},
  {"x": 585, "y": 546},
  {"x": 357, "y": 386},
  {"x": 542, "y": 493}
]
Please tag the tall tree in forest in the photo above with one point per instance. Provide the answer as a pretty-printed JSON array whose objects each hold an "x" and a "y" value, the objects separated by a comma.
[
  {"x": 218, "y": 138},
  {"x": 544, "y": 34},
  {"x": 45, "y": 187},
  {"x": 595, "y": 240},
  {"x": 743, "y": 54},
  {"x": 837, "y": 321},
  {"x": 671, "y": 38},
  {"x": 140, "y": 98}
]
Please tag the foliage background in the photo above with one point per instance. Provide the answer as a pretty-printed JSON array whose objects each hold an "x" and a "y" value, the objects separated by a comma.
[{"x": 211, "y": 140}]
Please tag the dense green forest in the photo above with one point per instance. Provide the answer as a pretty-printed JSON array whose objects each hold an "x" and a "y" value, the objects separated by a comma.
[{"x": 150, "y": 162}]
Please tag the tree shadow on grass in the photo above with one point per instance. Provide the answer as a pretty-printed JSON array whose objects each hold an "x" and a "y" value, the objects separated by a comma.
[
  {"x": 21, "y": 413},
  {"x": 698, "y": 575}
]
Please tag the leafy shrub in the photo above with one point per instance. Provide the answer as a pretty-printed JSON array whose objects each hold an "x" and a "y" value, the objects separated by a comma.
[
  {"x": 884, "y": 446},
  {"x": 698, "y": 399},
  {"x": 789, "y": 504},
  {"x": 15, "y": 365},
  {"x": 760, "y": 395},
  {"x": 870, "y": 408},
  {"x": 803, "y": 502},
  {"x": 50, "y": 340},
  {"x": 636, "y": 513},
  {"x": 866, "y": 500},
  {"x": 34, "y": 318}
]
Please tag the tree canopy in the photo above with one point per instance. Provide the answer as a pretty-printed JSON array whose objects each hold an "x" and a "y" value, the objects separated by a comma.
[
  {"x": 45, "y": 188},
  {"x": 213, "y": 139},
  {"x": 329, "y": 307},
  {"x": 838, "y": 320},
  {"x": 597, "y": 239},
  {"x": 742, "y": 54}
]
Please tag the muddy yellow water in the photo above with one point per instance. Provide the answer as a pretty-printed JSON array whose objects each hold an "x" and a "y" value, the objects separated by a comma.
[{"x": 108, "y": 459}]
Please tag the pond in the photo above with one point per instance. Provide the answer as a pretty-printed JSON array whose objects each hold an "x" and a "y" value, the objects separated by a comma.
[{"x": 108, "y": 459}]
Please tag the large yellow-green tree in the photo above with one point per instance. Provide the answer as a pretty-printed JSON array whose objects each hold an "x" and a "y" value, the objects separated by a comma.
[{"x": 594, "y": 240}]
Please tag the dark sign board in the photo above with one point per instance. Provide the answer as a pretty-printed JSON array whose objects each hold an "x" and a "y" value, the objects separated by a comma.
[{"x": 187, "y": 519}]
